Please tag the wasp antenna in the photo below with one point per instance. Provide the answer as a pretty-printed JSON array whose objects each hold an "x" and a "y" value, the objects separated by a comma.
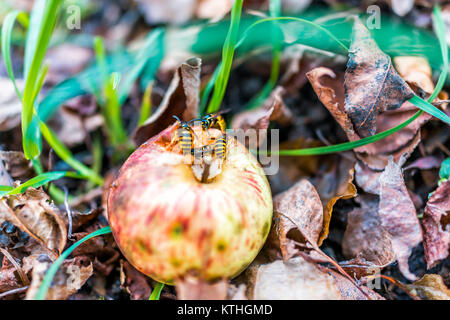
[{"x": 177, "y": 118}]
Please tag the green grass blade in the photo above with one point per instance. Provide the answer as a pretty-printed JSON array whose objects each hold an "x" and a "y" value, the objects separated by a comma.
[
  {"x": 439, "y": 28},
  {"x": 347, "y": 145},
  {"x": 146, "y": 105},
  {"x": 444, "y": 171},
  {"x": 7, "y": 28},
  {"x": 40, "y": 81},
  {"x": 113, "y": 111},
  {"x": 42, "y": 23},
  {"x": 48, "y": 278},
  {"x": 100, "y": 56},
  {"x": 304, "y": 21},
  {"x": 429, "y": 108},
  {"x": 36, "y": 21},
  {"x": 156, "y": 293},
  {"x": 109, "y": 100},
  {"x": 227, "y": 58},
  {"x": 150, "y": 50},
  {"x": 208, "y": 89},
  {"x": 35, "y": 182}
]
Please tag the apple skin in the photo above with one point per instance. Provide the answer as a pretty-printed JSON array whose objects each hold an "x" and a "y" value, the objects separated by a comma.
[{"x": 170, "y": 225}]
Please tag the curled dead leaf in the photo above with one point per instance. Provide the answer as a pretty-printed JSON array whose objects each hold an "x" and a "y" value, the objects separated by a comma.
[
  {"x": 431, "y": 287},
  {"x": 273, "y": 109},
  {"x": 348, "y": 289},
  {"x": 18, "y": 167},
  {"x": 365, "y": 238},
  {"x": 135, "y": 282},
  {"x": 359, "y": 267},
  {"x": 33, "y": 213},
  {"x": 398, "y": 215},
  {"x": 372, "y": 85},
  {"x": 8, "y": 278},
  {"x": 436, "y": 225},
  {"x": 339, "y": 185},
  {"x": 181, "y": 99},
  {"x": 329, "y": 87},
  {"x": 298, "y": 217},
  {"x": 69, "y": 278}
]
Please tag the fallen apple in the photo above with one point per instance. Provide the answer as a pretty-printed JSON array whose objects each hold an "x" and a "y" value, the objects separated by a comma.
[{"x": 171, "y": 217}]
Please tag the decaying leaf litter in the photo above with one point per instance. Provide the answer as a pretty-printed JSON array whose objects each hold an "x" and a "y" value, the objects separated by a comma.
[{"x": 339, "y": 219}]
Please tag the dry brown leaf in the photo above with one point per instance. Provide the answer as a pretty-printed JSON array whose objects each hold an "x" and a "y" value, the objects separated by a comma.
[
  {"x": 17, "y": 165},
  {"x": 298, "y": 220},
  {"x": 329, "y": 88},
  {"x": 99, "y": 249},
  {"x": 396, "y": 212},
  {"x": 349, "y": 291},
  {"x": 181, "y": 99},
  {"x": 33, "y": 213},
  {"x": 435, "y": 224},
  {"x": 8, "y": 279},
  {"x": 366, "y": 178},
  {"x": 430, "y": 287},
  {"x": 273, "y": 109},
  {"x": 398, "y": 216},
  {"x": 425, "y": 163},
  {"x": 81, "y": 218},
  {"x": 298, "y": 216},
  {"x": 416, "y": 71},
  {"x": 294, "y": 279},
  {"x": 192, "y": 288},
  {"x": 372, "y": 85},
  {"x": 339, "y": 185},
  {"x": 135, "y": 283},
  {"x": 69, "y": 278},
  {"x": 365, "y": 237},
  {"x": 359, "y": 267}
]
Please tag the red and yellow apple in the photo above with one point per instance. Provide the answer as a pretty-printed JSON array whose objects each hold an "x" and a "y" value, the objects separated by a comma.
[{"x": 168, "y": 223}]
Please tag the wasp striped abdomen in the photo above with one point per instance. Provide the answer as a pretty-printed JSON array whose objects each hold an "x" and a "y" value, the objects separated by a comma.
[
  {"x": 185, "y": 136},
  {"x": 220, "y": 147},
  {"x": 185, "y": 140}
]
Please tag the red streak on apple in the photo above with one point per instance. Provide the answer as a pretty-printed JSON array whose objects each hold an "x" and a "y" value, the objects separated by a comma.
[{"x": 168, "y": 224}]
